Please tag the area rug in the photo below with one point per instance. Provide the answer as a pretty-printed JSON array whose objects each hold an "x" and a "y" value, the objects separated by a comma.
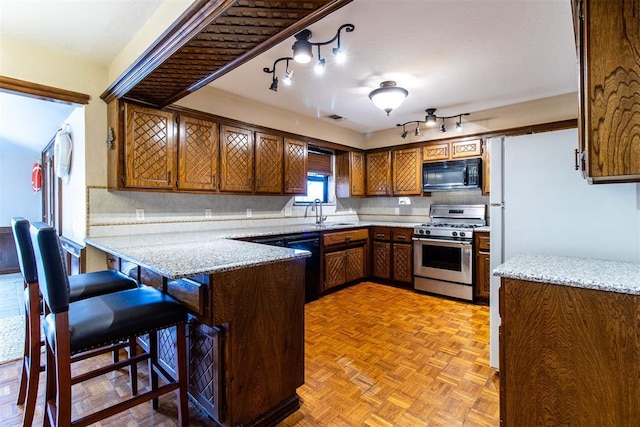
[{"x": 11, "y": 338}]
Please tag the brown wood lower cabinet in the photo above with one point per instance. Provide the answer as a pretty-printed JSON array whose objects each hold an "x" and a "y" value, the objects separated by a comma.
[
  {"x": 482, "y": 266},
  {"x": 231, "y": 337},
  {"x": 344, "y": 256},
  {"x": 392, "y": 255},
  {"x": 568, "y": 356}
]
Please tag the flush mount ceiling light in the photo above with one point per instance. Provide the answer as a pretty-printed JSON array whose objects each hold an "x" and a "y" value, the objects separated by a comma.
[
  {"x": 303, "y": 54},
  {"x": 431, "y": 121},
  {"x": 388, "y": 96}
]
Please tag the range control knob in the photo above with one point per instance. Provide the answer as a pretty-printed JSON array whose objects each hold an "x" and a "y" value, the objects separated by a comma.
[
  {"x": 427, "y": 232},
  {"x": 462, "y": 234},
  {"x": 420, "y": 231},
  {"x": 454, "y": 233}
]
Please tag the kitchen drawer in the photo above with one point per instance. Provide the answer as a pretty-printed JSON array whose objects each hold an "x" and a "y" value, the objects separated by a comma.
[
  {"x": 483, "y": 241},
  {"x": 343, "y": 237},
  {"x": 113, "y": 262},
  {"x": 190, "y": 293},
  {"x": 149, "y": 278},
  {"x": 402, "y": 234},
  {"x": 381, "y": 233}
]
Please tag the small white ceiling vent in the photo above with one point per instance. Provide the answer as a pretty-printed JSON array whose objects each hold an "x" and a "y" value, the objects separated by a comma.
[{"x": 336, "y": 117}]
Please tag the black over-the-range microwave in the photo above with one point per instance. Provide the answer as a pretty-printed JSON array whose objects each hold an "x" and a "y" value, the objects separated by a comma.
[{"x": 452, "y": 175}]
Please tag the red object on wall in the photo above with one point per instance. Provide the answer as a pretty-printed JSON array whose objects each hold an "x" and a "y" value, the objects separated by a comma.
[{"x": 36, "y": 177}]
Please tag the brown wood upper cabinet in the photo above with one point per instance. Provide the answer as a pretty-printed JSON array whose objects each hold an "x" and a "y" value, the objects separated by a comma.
[
  {"x": 379, "y": 173},
  {"x": 452, "y": 150},
  {"x": 407, "y": 172},
  {"x": 295, "y": 166},
  {"x": 350, "y": 168},
  {"x": 268, "y": 163},
  {"x": 236, "y": 160},
  {"x": 149, "y": 148},
  {"x": 609, "y": 117},
  {"x": 198, "y": 152}
]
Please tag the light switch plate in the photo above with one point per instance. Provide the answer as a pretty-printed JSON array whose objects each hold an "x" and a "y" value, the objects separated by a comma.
[
  {"x": 287, "y": 211},
  {"x": 207, "y": 213},
  {"x": 397, "y": 211},
  {"x": 249, "y": 213},
  {"x": 140, "y": 214}
]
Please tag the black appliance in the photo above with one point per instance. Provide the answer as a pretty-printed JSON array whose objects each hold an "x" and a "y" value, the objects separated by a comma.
[
  {"x": 308, "y": 242},
  {"x": 452, "y": 175}
]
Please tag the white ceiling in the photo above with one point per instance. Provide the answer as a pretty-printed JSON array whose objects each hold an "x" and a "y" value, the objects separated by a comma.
[{"x": 454, "y": 55}]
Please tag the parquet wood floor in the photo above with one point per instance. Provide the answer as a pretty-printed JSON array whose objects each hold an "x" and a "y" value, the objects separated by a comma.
[{"x": 375, "y": 356}]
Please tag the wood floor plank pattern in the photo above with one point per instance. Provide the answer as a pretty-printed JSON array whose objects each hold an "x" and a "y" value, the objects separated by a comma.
[{"x": 376, "y": 356}]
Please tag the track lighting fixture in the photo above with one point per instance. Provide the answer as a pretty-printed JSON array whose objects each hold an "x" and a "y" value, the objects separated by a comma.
[
  {"x": 303, "y": 53},
  {"x": 431, "y": 120},
  {"x": 388, "y": 96}
]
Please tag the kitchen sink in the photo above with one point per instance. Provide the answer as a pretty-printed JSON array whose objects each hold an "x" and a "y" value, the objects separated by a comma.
[{"x": 329, "y": 224}]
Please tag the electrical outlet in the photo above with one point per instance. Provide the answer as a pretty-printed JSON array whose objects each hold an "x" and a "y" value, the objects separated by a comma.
[
  {"x": 397, "y": 211},
  {"x": 207, "y": 213},
  {"x": 140, "y": 214},
  {"x": 249, "y": 213},
  {"x": 287, "y": 211}
]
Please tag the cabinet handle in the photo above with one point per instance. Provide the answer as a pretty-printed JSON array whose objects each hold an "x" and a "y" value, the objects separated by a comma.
[
  {"x": 111, "y": 260},
  {"x": 380, "y": 236},
  {"x": 169, "y": 177},
  {"x": 402, "y": 237},
  {"x": 575, "y": 158},
  {"x": 347, "y": 239}
]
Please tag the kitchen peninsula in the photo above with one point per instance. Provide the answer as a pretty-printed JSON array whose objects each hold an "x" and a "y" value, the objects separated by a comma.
[
  {"x": 569, "y": 341},
  {"x": 246, "y": 340}
]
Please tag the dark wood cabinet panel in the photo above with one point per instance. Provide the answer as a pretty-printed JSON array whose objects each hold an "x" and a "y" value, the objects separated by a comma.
[
  {"x": 236, "y": 160},
  {"x": 350, "y": 174},
  {"x": 198, "y": 152},
  {"x": 355, "y": 263},
  {"x": 295, "y": 166},
  {"x": 568, "y": 356},
  {"x": 402, "y": 262},
  {"x": 381, "y": 262},
  {"x": 334, "y": 269},
  {"x": 482, "y": 266},
  {"x": 379, "y": 173},
  {"x": 205, "y": 353},
  {"x": 608, "y": 45},
  {"x": 150, "y": 148},
  {"x": 407, "y": 172},
  {"x": 269, "y": 159}
]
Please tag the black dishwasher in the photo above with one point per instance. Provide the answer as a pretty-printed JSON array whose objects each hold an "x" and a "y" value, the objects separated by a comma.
[{"x": 309, "y": 242}]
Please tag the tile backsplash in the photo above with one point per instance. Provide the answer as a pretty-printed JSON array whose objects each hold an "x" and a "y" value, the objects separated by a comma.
[{"x": 132, "y": 212}]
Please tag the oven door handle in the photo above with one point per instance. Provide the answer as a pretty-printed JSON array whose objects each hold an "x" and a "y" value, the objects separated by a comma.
[{"x": 442, "y": 242}]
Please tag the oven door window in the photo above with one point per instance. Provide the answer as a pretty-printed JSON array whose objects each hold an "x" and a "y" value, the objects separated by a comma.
[{"x": 442, "y": 257}]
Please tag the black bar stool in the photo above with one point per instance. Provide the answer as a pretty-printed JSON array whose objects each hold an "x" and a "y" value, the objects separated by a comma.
[
  {"x": 72, "y": 328},
  {"x": 80, "y": 286}
]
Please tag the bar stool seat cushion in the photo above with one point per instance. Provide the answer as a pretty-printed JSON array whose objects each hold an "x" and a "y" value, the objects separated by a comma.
[
  {"x": 105, "y": 319},
  {"x": 88, "y": 285}
]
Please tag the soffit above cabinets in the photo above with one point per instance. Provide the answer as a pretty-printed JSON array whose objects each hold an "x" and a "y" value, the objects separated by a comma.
[{"x": 210, "y": 39}]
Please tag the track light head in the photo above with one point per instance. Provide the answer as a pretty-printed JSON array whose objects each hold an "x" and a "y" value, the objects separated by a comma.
[
  {"x": 274, "y": 84},
  {"x": 404, "y": 134},
  {"x": 319, "y": 67},
  {"x": 417, "y": 132},
  {"x": 302, "y": 48},
  {"x": 288, "y": 78}
]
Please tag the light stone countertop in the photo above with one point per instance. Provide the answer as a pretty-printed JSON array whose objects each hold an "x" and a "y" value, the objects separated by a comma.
[
  {"x": 176, "y": 255},
  {"x": 604, "y": 275}
]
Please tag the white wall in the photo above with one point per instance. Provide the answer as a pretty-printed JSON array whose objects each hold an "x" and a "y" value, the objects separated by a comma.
[{"x": 16, "y": 196}]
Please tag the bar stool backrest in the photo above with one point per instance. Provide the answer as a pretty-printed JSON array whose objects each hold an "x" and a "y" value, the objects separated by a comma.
[
  {"x": 26, "y": 258},
  {"x": 52, "y": 274}
]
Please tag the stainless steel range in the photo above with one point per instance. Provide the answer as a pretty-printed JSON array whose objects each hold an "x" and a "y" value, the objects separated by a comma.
[{"x": 443, "y": 250}]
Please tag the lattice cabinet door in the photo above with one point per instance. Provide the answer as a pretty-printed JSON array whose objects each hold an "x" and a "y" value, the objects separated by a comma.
[
  {"x": 356, "y": 177},
  {"x": 334, "y": 269},
  {"x": 295, "y": 166},
  {"x": 198, "y": 152},
  {"x": 472, "y": 148},
  {"x": 269, "y": 161},
  {"x": 407, "y": 172},
  {"x": 436, "y": 151},
  {"x": 236, "y": 160},
  {"x": 379, "y": 173},
  {"x": 382, "y": 260},
  {"x": 402, "y": 268},
  {"x": 355, "y": 263},
  {"x": 349, "y": 174},
  {"x": 150, "y": 148},
  {"x": 205, "y": 354}
]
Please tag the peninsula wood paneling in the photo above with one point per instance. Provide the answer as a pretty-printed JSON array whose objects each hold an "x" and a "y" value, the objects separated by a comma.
[{"x": 568, "y": 356}]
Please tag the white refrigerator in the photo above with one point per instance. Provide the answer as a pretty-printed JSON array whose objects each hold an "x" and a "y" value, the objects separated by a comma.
[{"x": 540, "y": 204}]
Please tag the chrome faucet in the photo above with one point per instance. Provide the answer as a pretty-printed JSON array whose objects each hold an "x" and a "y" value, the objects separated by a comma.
[{"x": 317, "y": 208}]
